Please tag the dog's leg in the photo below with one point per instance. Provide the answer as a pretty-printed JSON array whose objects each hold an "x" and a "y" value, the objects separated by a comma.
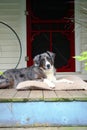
[
  {"x": 4, "y": 82},
  {"x": 49, "y": 83},
  {"x": 64, "y": 81}
]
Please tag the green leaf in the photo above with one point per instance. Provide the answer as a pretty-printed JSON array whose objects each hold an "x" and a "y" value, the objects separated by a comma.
[
  {"x": 79, "y": 58},
  {"x": 84, "y": 53},
  {"x": 82, "y": 57},
  {"x": 1, "y": 73},
  {"x": 85, "y": 67},
  {"x": 85, "y": 63}
]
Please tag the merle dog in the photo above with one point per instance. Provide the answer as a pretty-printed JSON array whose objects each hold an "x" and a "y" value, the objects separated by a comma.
[{"x": 42, "y": 69}]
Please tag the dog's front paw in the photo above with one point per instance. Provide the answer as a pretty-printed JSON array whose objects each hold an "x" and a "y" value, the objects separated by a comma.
[
  {"x": 67, "y": 81},
  {"x": 49, "y": 83},
  {"x": 64, "y": 81},
  {"x": 70, "y": 82}
]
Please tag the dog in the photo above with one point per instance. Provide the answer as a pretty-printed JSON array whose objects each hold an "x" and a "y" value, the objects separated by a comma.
[
  {"x": 43, "y": 69},
  {"x": 45, "y": 62}
]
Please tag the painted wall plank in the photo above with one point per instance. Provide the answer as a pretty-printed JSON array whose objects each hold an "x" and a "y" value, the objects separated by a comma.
[
  {"x": 9, "y": 48},
  {"x": 12, "y": 13},
  {"x": 9, "y": 60},
  {"x": 8, "y": 54},
  {"x": 5, "y": 66}
]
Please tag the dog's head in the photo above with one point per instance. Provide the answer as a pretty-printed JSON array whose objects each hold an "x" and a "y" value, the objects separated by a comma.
[{"x": 44, "y": 60}]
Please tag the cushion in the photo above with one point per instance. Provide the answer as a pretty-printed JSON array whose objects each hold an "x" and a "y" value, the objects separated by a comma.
[{"x": 78, "y": 84}]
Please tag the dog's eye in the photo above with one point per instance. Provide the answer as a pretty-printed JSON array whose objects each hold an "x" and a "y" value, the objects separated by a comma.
[
  {"x": 49, "y": 59},
  {"x": 42, "y": 61},
  {"x": 21, "y": 75}
]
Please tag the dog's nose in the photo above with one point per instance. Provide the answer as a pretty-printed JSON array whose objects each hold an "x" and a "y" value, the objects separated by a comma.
[{"x": 48, "y": 66}]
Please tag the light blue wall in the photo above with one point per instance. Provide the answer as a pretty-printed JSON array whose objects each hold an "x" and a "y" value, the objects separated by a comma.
[{"x": 50, "y": 113}]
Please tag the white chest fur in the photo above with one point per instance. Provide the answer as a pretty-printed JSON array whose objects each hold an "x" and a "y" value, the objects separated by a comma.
[{"x": 50, "y": 74}]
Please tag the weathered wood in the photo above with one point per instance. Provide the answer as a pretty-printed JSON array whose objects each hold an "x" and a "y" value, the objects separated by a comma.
[
  {"x": 47, "y": 128},
  {"x": 1, "y": 91},
  {"x": 21, "y": 96},
  {"x": 33, "y": 128},
  {"x": 8, "y": 94},
  {"x": 36, "y": 95},
  {"x": 85, "y": 92},
  {"x": 78, "y": 95},
  {"x": 41, "y": 95},
  {"x": 50, "y": 95},
  {"x": 63, "y": 95}
]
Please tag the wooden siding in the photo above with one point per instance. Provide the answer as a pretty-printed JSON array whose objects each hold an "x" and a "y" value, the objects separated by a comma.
[
  {"x": 11, "y": 13},
  {"x": 80, "y": 31},
  {"x": 83, "y": 21}
]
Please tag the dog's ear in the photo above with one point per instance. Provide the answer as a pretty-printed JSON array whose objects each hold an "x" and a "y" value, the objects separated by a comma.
[
  {"x": 37, "y": 60},
  {"x": 52, "y": 55}
]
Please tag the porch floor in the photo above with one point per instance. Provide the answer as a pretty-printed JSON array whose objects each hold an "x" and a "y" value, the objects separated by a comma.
[
  {"x": 47, "y": 128},
  {"x": 12, "y": 95}
]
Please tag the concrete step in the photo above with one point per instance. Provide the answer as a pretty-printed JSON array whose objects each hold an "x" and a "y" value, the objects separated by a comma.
[{"x": 27, "y": 114}]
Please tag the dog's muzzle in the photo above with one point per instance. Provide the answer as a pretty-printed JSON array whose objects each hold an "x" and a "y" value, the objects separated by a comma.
[{"x": 48, "y": 66}]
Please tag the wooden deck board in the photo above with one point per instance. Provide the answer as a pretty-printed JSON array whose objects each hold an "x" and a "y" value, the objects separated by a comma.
[
  {"x": 21, "y": 95},
  {"x": 63, "y": 95},
  {"x": 85, "y": 92},
  {"x": 7, "y": 94},
  {"x": 76, "y": 93},
  {"x": 47, "y": 128},
  {"x": 36, "y": 95},
  {"x": 1, "y": 91},
  {"x": 49, "y": 95},
  {"x": 41, "y": 95}
]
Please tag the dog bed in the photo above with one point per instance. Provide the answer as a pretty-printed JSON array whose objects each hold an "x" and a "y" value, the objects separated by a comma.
[{"x": 78, "y": 84}]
